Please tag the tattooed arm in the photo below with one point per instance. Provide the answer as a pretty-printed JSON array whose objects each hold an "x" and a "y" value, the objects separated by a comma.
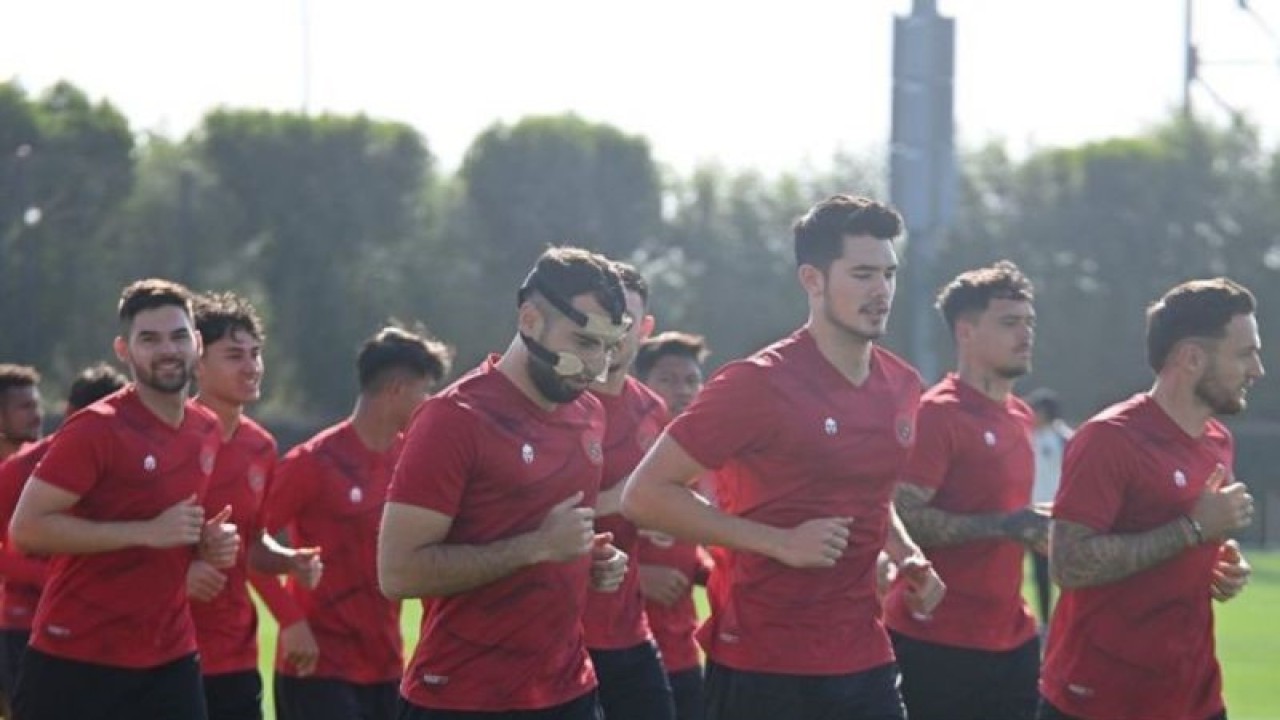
[
  {"x": 1080, "y": 556},
  {"x": 932, "y": 527}
]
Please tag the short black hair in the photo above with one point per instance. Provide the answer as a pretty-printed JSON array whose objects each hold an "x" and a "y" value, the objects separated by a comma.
[
  {"x": 1194, "y": 309},
  {"x": 971, "y": 292},
  {"x": 1045, "y": 401},
  {"x": 570, "y": 272},
  {"x": 394, "y": 349},
  {"x": 150, "y": 294},
  {"x": 218, "y": 314},
  {"x": 671, "y": 342},
  {"x": 820, "y": 233},
  {"x": 632, "y": 280},
  {"x": 94, "y": 383}
]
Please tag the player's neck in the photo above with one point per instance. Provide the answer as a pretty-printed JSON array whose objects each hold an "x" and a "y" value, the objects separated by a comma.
[
  {"x": 985, "y": 381},
  {"x": 514, "y": 364},
  {"x": 168, "y": 406},
  {"x": 373, "y": 424},
  {"x": 229, "y": 413},
  {"x": 849, "y": 353},
  {"x": 1180, "y": 403},
  {"x": 8, "y": 447}
]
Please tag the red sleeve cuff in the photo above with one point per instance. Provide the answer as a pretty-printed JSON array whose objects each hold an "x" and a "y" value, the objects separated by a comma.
[{"x": 277, "y": 599}]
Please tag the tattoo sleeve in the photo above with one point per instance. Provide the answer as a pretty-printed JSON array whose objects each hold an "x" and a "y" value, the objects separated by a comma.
[
  {"x": 1080, "y": 556},
  {"x": 931, "y": 527}
]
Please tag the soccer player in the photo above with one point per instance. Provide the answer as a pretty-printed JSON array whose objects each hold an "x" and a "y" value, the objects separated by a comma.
[
  {"x": 23, "y": 575},
  {"x": 671, "y": 364},
  {"x": 1138, "y": 538},
  {"x": 116, "y": 502},
  {"x": 807, "y": 437},
  {"x": 491, "y": 510},
  {"x": 21, "y": 417},
  {"x": 329, "y": 493},
  {"x": 965, "y": 497},
  {"x": 230, "y": 373},
  {"x": 1050, "y": 442},
  {"x": 633, "y": 685}
]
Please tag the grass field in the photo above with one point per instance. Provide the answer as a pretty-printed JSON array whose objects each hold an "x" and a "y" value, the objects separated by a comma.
[{"x": 1248, "y": 643}]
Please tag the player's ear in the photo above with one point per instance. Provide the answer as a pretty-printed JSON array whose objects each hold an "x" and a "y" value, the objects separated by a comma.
[
  {"x": 812, "y": 279},
  {"x": 121, "y": 346}
]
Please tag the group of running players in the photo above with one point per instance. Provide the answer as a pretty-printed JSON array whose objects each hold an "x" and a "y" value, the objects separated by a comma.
[{"x": 861, "y": 537}]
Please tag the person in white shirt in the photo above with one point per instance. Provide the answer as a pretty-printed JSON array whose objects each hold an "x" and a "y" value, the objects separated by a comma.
[{"x": 1050, "y": 440}]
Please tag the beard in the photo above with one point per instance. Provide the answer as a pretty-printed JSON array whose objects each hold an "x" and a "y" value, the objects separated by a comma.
[
  {"x": 550, "y": 384},
  {"x": 1012, "y": 372},
  {"x": 863, "y": 335},
  {"x": 1220, "y": 399},
  {"x": 164, "y": 380}
]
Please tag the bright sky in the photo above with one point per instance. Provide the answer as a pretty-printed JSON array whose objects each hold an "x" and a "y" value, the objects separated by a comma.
[{"x": 769, "y": 84}]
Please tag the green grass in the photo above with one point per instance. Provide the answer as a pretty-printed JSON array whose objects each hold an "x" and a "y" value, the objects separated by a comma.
[{"x": 1248, "y": 631}]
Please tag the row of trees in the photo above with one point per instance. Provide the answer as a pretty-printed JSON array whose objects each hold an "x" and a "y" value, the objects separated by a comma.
[{"x": 335, "y": 224}]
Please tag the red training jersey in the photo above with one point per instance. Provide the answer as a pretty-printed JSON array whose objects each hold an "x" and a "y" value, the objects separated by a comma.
[
  {"x": 1141, "y": 647},
  {"x": 23, "y": 575},
  {"x": 487, "y": 456},
  {"x": 673, "y": 626},
  {"x": 634, "y": 418},
  {"x": 977, "y": 455},
  {"x": 329, "y": 492},
  {"x": 125, "y": 608},
  {"x": 792, "y": 439},
  {"x": 227, "y": 626}
]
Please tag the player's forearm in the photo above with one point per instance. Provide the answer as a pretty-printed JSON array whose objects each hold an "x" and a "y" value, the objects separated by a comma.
[
  {"x": 268, "y": 556},
  {"x": 931, "y": 527},
  {"x": 1082, "y": 557},
  {"x": 66, "y": 534},
  {"x": 899, "y": 544},
  {"x": 609, "y": 502},
  {"x": 441, "y": 570},
  {"x": 675, "y": 510}
]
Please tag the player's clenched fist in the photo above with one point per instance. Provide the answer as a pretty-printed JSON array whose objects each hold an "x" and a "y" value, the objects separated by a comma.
[
  {"x": 180, "y": 524},
  {"x": 568, "y": 531},
  {"x": 815, "y": 543}
]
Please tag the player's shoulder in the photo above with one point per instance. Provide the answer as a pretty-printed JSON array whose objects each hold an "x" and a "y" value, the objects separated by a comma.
[
  {"x": 644, "y": 397},
  {"x": 896, "y": 369},
  {"x": 1117, "y": 422},
  {"x": 318, "y": 443},
  {"x": 202, "y": 418},
  {"x": 255, "y": 436}
]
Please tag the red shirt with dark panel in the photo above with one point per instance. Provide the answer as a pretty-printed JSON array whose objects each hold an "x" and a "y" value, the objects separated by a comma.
[
  {"x": 227, "y": 626},
  {"x": 484, "y": 454},
  {"x": 1141, "y": 647},
  {"x": 977, "y": 455},
  {"x": 792, "y": 439},
  {"x": 23, "y": 575},
  {"x": 634, "y": 419},
  {"x": 126, "y": 608},
  {"x": 329, "y": 492},
  {"x": 674, "y": 625}
]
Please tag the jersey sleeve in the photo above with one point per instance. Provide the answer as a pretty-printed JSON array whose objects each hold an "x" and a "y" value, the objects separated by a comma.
[
  {"x": 931, "y": 454},
  {"x": 276, "y": 597},
  {"x": 437, "y": 460},
  {"x": 78, "y": 455},
  {"x": 732, "y": 415},
  {"x": 291, "y": 487},
  {"x": 1095, "y": 469}
]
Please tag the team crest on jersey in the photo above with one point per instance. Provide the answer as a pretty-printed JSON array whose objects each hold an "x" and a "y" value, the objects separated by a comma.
[
  {"x": 526, "y": 454},
  {"x": 830, "y": 426},
  {"x": 594, "y": 451},
  {"x": 904, "y": 429},
  {"x": 207, "y": 458},
  {"x": 257, "y": 478},
  {"x": 149, "y": 463}
]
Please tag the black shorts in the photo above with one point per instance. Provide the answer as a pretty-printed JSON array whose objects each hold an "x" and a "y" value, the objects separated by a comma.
[
  {"x": 53, "y": 688},
  {"x": 586, "y": 707},
  {"x": 330, "y": 699},
  {"x": 1049, "y": 712},
  {"x": 234, "y": 696},
  {"x": 13, "y": 645},
  {"x": 744, "y": 695},
  {"x": 686, "y": 688},
  {"x": 633, "y": 685},
  {"x": 943, "y": 682}
]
